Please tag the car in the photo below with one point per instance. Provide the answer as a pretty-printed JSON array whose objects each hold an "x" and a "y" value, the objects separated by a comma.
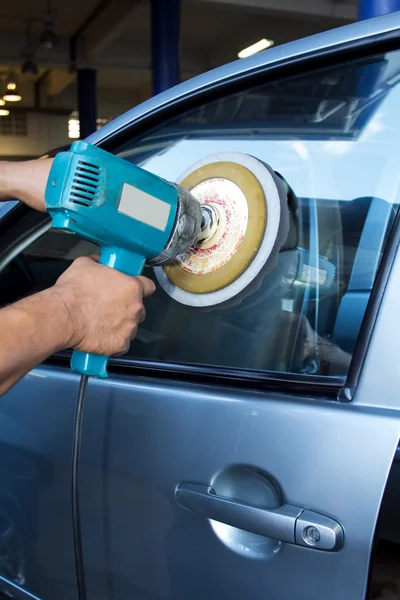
[{"x": 244, "y": 451}]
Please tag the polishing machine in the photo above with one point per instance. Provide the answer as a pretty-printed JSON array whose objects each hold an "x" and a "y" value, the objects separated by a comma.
[{"x": 132, "y": 215}]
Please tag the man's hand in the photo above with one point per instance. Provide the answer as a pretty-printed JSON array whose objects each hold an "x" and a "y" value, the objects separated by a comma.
[
  {"x": 91, "y": 308},
  {"x": 104, "y": 307},
  {"x": 25, "y": 181}
]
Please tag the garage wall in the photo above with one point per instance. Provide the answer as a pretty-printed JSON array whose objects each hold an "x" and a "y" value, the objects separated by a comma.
[
  {"x": 110, "y": 102},
  {"x": 25, "y": 135}
]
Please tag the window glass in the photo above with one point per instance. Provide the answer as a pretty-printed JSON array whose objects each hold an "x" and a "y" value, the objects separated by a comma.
[{"x": 333, "y": 136}]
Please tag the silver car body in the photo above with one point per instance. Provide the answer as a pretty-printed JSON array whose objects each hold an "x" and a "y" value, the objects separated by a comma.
[{"x": 159, "y": 437}]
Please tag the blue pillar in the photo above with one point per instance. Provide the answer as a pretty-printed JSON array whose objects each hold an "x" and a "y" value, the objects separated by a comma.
[
  {"x": 374, "y": 8},
  {"x": 165, "y": 40},
  {"x": 87, "y": 101}
]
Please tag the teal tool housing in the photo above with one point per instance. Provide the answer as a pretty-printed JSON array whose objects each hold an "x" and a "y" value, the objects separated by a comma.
[{"x": 127, "y": 211}]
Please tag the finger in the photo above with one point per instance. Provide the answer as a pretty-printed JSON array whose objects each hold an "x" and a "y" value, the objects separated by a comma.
[
  {"x": 134, "y": 332},
  {"x": 95, "y": 257},
  {"x": 142, "y": 315},
  {"x": 148, "y": 286},
  {"x": 124, "y": 351}
]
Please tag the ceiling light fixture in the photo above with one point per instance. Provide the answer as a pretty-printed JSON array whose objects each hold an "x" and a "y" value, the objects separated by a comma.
[
  {"x": 4, "y": 112},
  {"x": 74, "y": 126},
  {"x": 12, "y": 96},
  {"x": 11, "y": 82},
  {"x": 254, "y": 48},
  {"x": 48, "y": 38},
  {"x": 2, "y": 102},
  {"x": 29, "y": 68}
]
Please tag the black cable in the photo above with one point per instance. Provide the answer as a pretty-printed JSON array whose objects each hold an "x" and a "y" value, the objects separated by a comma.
[{"x": 76, "y": 516}]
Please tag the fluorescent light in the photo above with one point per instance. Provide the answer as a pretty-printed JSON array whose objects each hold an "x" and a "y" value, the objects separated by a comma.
[
  {"x": 73, "y": 128},
  {"x": 254, "y": 48},
  {"x": 4, "y": 112},
  {"x": 12, "y": 94},
  {"x": 2, "y": 102},
  {"x": 12, "y": 97}
]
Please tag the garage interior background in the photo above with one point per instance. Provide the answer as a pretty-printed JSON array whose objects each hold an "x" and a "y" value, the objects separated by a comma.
[{"x": 102, "y": 57}]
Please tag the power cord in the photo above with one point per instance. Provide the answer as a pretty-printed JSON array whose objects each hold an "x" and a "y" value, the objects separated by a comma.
[{"x": 76, "y": 516}]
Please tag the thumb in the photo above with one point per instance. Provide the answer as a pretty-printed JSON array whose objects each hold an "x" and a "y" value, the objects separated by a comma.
[{"x": 148, "y": 286}]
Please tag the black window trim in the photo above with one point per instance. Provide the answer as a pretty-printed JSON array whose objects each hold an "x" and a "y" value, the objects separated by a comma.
[
  {"x": 346, "y": 394},
  {"x": 305, "y": 385},
  {"x": 334, "y": 388}
]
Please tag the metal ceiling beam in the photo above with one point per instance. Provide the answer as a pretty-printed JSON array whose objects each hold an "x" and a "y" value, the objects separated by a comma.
[
  {"x": 77, "y": 36},
  {"x": 105, "y": 24},
  {"x": 38, "y": 88},
  {"x": 62, "y": 112},
  {"x": 112, "y": 22},
  {"x": 57, "y": 81},
  {"x": 316, "y": 8},
  {"x": 190, "y": 67}
]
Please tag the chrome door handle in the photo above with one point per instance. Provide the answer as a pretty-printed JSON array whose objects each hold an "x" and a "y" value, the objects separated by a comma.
[{"x": 287, "y": 523}]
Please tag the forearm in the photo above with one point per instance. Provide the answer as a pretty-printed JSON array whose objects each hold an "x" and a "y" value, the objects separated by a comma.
[
  {"x": 30, "y": 331},
  {"x": 25, "y": 181}
]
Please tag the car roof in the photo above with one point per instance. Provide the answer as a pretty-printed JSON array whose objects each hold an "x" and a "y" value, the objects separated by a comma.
[{"x": 292, "y": 50}]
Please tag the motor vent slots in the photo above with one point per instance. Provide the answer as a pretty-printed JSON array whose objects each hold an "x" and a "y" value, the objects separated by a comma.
[{"x": 85, "y": 184}]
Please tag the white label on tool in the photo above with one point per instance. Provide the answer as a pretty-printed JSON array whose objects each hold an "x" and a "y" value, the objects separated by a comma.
[{"x": 143, "y": 207}]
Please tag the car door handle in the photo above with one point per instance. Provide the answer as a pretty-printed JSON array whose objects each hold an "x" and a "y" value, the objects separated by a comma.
[{"x": 287, "y": 523}]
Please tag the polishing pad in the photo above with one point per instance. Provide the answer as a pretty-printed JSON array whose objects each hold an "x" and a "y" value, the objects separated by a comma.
[{"x": 245, "y": 223}]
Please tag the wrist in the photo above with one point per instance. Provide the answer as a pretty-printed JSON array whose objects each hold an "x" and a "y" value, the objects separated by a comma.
[
  {"x": 7, "y": 191},
  {"x": 25, "y": 181},
  {"x": 64, "y": 319}
]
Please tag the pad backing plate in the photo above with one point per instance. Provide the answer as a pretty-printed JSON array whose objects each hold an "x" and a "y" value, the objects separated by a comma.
[
  {"x": 241, "y": 201},
  {"x": 229, "y": 271}
]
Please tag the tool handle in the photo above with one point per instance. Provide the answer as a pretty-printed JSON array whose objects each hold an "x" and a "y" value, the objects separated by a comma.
[{"x": 95, "y": 365}]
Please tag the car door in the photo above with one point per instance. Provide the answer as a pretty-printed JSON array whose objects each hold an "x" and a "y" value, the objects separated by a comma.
[
  {"x": 220, "y": 427},
  {"x": 237, "y": 452}
]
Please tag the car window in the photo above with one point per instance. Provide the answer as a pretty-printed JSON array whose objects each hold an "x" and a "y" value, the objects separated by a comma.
[{"x": 332, "y": 135}]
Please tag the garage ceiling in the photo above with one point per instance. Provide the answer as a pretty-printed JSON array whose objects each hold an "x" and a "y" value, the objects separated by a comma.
[{"x": 114, "y": 37}]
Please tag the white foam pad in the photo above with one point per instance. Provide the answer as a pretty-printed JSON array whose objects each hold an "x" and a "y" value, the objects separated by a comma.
[{"x": 277, "y": 227}]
